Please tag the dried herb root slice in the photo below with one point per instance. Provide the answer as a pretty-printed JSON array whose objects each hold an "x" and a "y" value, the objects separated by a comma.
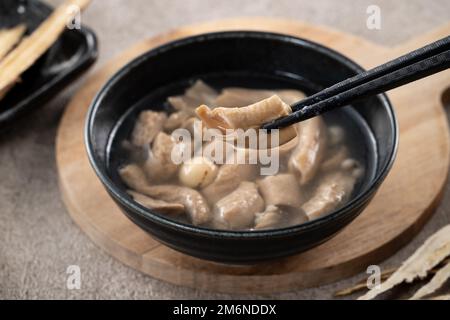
[
  {"x": 362, "y": 284},
  {"x": 30, "y": 49},
  {"x": 435, "y": 283},
  {"x": 435, "y": 249},
  {"x": 9, "y": 38}
]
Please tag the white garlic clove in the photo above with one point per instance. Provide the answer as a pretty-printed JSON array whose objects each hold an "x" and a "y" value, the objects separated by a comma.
[{"x": 197, "y": 172}]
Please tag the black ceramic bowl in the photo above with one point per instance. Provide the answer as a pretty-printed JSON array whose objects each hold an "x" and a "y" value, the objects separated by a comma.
[{"x": 234, "y": 58}]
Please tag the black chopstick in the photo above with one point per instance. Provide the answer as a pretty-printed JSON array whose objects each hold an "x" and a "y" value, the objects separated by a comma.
[{"x": 407, "y": 68}]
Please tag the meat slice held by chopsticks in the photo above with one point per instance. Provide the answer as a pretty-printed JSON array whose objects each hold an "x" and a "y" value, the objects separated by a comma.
[{"x": 252, "y": 116}]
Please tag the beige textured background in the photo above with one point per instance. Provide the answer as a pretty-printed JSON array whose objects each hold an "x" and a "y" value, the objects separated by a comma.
[{"x": 38, "y": 240}]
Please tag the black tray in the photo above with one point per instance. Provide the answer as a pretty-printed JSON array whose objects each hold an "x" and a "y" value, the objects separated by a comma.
[{"x": 72, "y": 54}]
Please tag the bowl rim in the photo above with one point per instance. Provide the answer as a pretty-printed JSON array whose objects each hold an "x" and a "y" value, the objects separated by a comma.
[{"x": 120, "y": 195}]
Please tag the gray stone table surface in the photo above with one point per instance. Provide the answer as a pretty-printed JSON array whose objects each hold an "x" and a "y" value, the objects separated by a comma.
[{"x": 38, "y": 239}]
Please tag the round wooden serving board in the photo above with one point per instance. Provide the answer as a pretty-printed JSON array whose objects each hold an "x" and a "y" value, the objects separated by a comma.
[{"x": 403, "y": 204}]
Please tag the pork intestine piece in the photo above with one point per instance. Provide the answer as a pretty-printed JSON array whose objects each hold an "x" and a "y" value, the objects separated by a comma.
[
  {"x": 338, "y": 159},
  {"x": 135, "y": 178},
  {"x": 184, "y": 104},
  {"x": 159, "y": 166},
  {"x": 202, "y": 91},
  {"x": 269, "y": 218},
  {"x": 237, "y": 210},
  {"x": 175, "y": 120},
  {"x": 275, "y": 217},
  {"x": 157, "y": 205},
  {"x": 333, "y": 190},
  {"x": 192, "y": 124},
  {"x": 252, "y": 116},
  {"x": 148, "y": 125},
  {"x": 335, "y": 158},
  {"x": 281, "y": 190},
  {"x": 195, "y": 205},
  {"x": 228, "y": 178},
  {"x": 309, "y": 153}
]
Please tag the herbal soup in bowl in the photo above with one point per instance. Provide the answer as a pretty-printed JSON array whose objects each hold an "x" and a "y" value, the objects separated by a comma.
[
  {"x": 174, "y": 137},
  {"x": 183, "y": 168}
]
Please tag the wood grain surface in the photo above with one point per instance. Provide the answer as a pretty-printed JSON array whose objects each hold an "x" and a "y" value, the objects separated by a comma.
[{"x": 404, "y": 202}]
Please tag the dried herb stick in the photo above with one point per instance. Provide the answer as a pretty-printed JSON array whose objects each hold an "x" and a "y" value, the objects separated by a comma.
[
  {"x": 435, "y": 249},
  {"x": 9, "y": 38}
]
